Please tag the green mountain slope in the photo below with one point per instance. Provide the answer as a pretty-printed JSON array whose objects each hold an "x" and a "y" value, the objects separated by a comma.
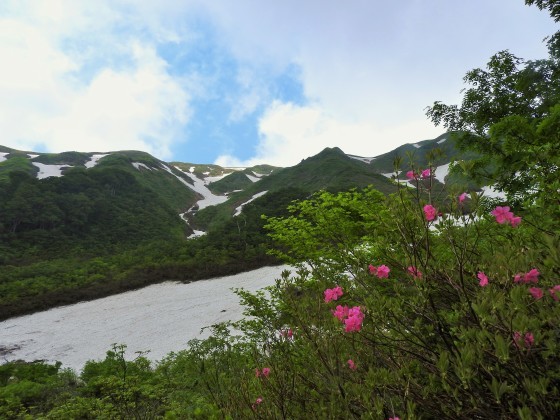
[{"x": 110, "y": 222}]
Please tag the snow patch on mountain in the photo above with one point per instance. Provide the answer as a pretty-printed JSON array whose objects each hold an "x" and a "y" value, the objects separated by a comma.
[
  {"x": 490, "y": 192},
  {"x": 254, "y": 197},
  {"x": 417, "y": 145},
  {"x": 209, "y": 198},
  {"x": 441, "y": 172},
  {"x": 253, "y": 178},
  {"x": 362, "y": 159},
  {"x": 139, "y": 165},
  {"x": 3, "y": 156},
  {"x": 46, "y": 171},
  {"x": 442, "y": 141},
  {"x": 32, "y": 156},
  {"x": 94, "y": 160}
]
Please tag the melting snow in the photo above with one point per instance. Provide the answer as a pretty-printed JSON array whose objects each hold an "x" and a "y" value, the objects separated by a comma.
[
  {"x": 417, "y": 145},
  {"x": 441, "y": 172},
  {"x": 3, "y": 156},
  {"x": 191, "y": 169},
  {"x": 363, "y": 159},
  {"x": 253, "y": 178},
  {"x": 32, "y": 156},
  {"x": 94, "y": 160},
  {"x": 139, "y": 165},
  {"x": 441, "y": 141},
  {"x": 257, "y": 195},
  {"x": 46, "y": 171},
  {"x": 490, "y": 192},
  {"x": 160, "y": 318},
  {"x": 209, "y": 198}
]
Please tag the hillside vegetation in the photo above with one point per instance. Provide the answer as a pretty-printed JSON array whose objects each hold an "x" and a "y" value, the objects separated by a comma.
[{"x": 400, "y": 305}]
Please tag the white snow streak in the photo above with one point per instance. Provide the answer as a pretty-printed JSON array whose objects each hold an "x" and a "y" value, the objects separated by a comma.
[
  {"x": 139, "y": 165},
  {"x": 257, "y": 195},
  {"x": 363, "y": 159},
  {"x": 441, "y": 141},
  {"x": 441, "y": 172},
  {"x": 209, "y": 198},
  {"x": 490, "y": 192},
  {"x": 253, "y": 178},
  {"x": 94, "y": 160},
  {"x": 46, "y": 171},
  {"x": 3, "y": 156},
  {"x": 417, "y": 145}
]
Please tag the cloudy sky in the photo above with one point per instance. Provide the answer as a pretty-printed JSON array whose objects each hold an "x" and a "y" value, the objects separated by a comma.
[{"x": 246, "y": 81}]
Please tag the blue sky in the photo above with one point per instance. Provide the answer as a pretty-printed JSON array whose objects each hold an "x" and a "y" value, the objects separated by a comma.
[{"x": 244, "y": 82}]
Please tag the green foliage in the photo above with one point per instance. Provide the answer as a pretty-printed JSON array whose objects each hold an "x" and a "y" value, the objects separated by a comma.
[
  {"x": 509, "y": 116},
  {"x": 439, "y": 346},
  {"x": 235, "y": 181}
]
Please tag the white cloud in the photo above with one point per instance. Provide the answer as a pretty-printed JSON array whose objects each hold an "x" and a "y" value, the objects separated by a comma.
[
  {"x": 290, "y": 133},
  {"x": 142, "y": 109},
  {"x": 128, "y": 102}
]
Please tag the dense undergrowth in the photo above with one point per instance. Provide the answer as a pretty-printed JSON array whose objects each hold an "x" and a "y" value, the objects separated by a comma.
[{"x": 394, "y": 309}]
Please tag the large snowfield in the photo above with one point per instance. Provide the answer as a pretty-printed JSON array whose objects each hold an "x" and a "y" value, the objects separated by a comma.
[{"x": 160, "y": 318}]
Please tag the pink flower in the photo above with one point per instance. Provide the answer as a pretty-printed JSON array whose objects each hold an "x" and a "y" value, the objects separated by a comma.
[
  {"x": 354, "y": 320},
  {"x": 372, "y": 270},
  {"x": 414, "y": 272},
  {"x": 257, "y": 402},
  {"x": 536, "y": 292},
  {"x": 555, "y": 292},
  {"x": 265, "y": 372},
  {"x": 528, "y": 339},
  {"x": 410, "y": 175},
  {"x": 287, "y": 333},
  {"x": 351, "y": 364},
  {"x": 462, "y": 197},
  {"x": 333, "y": 294},
  {"x": 532, "y": 276},
  {"x": 383, "y": 271},
  {"x": 430, "y": 212},
  {"x": 502, "y": 214},
  {"x": 426, "y": 173},
  {"x": 483, "y": 279},
  {"x": 341, "y": 312},
  {"x": 515, "y": 221}
]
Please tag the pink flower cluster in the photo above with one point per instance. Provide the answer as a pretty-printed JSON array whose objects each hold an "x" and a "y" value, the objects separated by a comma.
[
  {"x": 382, "y": 271},
  {"x": 333, "y": 294},
  {"x": 264, "y": 372},
  {"x": 352, "y": 317},
  {"x": 555, "y": 292},
  {"x": 527, "y": 342},
  {"x": 503, "y": 215},
  {"x": 414, "y": 272},
  {"x": 462, "y": 197},
  {"x": 530, "y": 277},
  {"x": 426, "y": 173},
  {"x": 430, "y": 212},
  {"x": 351, "y": 364}
]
